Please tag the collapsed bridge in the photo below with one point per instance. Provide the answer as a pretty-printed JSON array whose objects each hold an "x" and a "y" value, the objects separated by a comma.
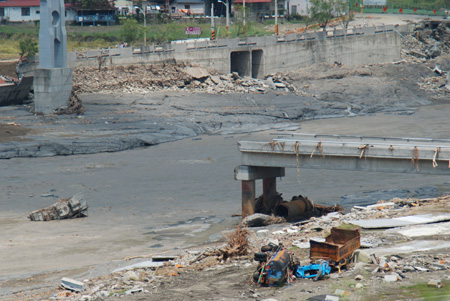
[{"x": 268, "y": 160}]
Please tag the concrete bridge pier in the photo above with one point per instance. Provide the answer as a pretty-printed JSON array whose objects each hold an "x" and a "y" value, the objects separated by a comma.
[{"x": 248, "y": 175}]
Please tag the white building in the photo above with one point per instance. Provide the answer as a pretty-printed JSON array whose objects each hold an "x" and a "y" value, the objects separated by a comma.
[
  {"x": 298, "y": 7},
  {"x": 20, "y": 10},
  {"x": 25, "y": 11}
]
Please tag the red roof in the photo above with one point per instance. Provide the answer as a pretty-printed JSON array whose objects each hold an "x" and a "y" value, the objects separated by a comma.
[
  {"x": 20, "y": 3},
  {"x": 252, "y": 1}
]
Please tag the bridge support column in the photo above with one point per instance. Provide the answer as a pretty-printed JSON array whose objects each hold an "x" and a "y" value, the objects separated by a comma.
[
  {"x": 248, "y": 197},
  {"x": 248, "y": 175}
]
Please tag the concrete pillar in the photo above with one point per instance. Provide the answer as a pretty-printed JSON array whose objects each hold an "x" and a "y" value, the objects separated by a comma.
[
  {"x": 52, "y": 89},
  {"x": 53, "y": 80},
  {"x": 248, "y": 197},
  {"x": 269, "y": 188}
]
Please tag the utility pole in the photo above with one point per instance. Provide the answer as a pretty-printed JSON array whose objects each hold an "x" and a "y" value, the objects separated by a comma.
[
  {"x": 213, "y": 32},
  {"x": 244, "y": 18},
  {"x": 276, "y": 17},
  {"x": 227, "y": 12}
]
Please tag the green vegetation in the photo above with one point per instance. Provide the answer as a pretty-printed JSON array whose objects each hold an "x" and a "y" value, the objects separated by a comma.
[
  {"x": 28, "y": 47},
  {"x": 420, "y": 291}
]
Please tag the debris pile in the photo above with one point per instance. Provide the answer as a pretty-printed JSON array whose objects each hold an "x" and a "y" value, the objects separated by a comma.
[
  {"x": 150, "y": 277},
  {"x": 426, "y": 42},
  {"x": 394, "y": 268},
  {"x": 429, "y": 43},
  {"x": 74, "y": 207},
  {"x": 149, "y": 78}
]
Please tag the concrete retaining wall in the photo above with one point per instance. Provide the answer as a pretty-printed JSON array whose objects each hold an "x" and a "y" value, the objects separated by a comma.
[{"x": 287, "y": 53}]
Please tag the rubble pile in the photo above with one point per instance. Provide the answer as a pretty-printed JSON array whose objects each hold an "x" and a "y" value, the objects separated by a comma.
[
  {"x": 425, "y": 43},
  {"x": 148, "y": 78},
  {"x": 431, "y": 47},
  {"x": 395, "y": 267}
]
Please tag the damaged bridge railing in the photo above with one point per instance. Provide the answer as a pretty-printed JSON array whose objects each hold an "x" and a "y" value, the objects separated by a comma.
[{"x": 267, "y": 160}]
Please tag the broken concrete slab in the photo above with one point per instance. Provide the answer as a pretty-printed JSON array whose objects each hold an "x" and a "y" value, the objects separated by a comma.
[
  {"x": 383, "y": 223},
  {"x": 71, "y": 284},
  {"x": 196, "y": 72},
  {"x": 411, "y": 247},
  {"x": 428, "y": 230},
  {"x": 148, "y": 264}
]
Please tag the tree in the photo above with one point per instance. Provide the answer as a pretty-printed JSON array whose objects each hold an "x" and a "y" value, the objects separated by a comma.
[
  {"x": 130, "y": 30},
  {"x": 28, "y": 47},
  {"x": 322, "y": 11}
]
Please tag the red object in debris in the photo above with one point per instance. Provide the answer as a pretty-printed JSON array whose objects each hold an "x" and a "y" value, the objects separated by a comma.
[
  {"x": 400, "y": 10},
  {"x": 356, "y": 4},
  {"x": 434, "y": 11},
  {"x": 384, "y": 9},
  {"x": 415, "y": 10},
  {"x": 338, "y": 247}
]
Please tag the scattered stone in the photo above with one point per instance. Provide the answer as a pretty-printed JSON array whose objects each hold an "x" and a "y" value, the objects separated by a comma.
[
  {"x": 256, "y": 220},
  {"x": 341, "y": 293},
  {"x": 130, "y": 275},
  {"x": 359, "y": 277},
  {"x": 390, "y": 278},
  {"x": 435, "y": 283},
  {"x": 359, "y": 286}
]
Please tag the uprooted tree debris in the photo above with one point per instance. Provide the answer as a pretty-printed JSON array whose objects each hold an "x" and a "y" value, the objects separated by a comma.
[
  {"x": 238, "y": 245},
  {"x": 73, "y": 207}
]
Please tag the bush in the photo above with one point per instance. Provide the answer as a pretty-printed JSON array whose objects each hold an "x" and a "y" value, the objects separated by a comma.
[{"x": 28, "y": 47}]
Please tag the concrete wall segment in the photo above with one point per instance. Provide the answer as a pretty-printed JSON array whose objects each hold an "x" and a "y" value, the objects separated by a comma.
[{"x": 280, "y": 54}]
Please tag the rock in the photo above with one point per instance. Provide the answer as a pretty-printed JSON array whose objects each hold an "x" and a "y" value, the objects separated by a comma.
[
  {"x": 341, "y": 293},
  {"x": 433, "y": 51},
  {"x": 363, "y": 256},
  {"x": 256, "y": 220},
  {"x": 408, "y": 268},
  {"x": 359, "y": 277},
  {"x": 262, "y": 233},
  {"x": 216, "y": 79},
  {"x": 279, "y": 85},
  {"x": 434, "y": 283},
  {"x": 331, "y": 298},
  {"x": 359, "y": 286},
  {"x": 130, "y": 275}
]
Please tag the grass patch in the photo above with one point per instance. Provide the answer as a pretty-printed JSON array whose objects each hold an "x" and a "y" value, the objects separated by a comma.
[{"x": 422, "y": 290}]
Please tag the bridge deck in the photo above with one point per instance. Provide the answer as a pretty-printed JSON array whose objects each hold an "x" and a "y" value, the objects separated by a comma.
[
  {"x": 417, "y": 155},
  {"x": 268, "y": 160}
]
